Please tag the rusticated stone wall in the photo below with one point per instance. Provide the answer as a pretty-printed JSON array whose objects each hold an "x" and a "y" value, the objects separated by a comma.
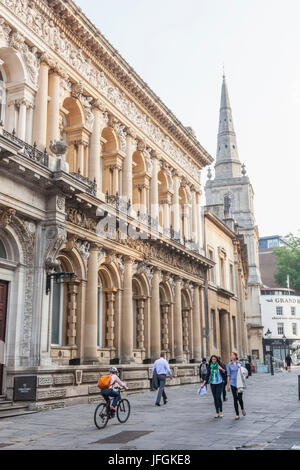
[{"x": 78, "y": 384}]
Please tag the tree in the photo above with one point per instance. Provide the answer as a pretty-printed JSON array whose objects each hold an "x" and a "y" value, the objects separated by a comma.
[{"x": 288, "y": 263}]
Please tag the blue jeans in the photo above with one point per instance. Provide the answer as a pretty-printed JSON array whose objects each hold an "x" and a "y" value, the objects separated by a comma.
[
  {"x": 161, "y": 392},
  {"x": 217, "y": 390},
  {"x": 111, "y": 393}
]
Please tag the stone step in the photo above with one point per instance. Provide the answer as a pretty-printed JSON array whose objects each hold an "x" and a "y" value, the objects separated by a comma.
[
  {"x": 2, "y": 397},
  {"x": 10, "y": 407},
  {"x": 4, "y": 403},
  {"x": 13, "y": 412}
]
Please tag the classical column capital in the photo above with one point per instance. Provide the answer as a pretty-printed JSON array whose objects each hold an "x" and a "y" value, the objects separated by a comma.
[
  {"x": 130, "y": 133},
  {"x": 141, "y": 145},
  {"x": 129, "y": 260},
  {"x": 98, "y": 104},
  {"x": 77, "y": 90},
  {"x": 47, "y": 59}
]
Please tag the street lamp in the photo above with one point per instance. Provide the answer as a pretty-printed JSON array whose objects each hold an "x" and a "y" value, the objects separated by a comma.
[
  {"x": 268, "y": 334},
  {"x": 284, "y": 338}
]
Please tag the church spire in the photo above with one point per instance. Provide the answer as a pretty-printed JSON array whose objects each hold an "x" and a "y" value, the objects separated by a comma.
[{"x": 227, "y": 162}]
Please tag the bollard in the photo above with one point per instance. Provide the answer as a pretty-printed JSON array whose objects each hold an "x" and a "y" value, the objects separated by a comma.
[{"x": 299, "y": 386}]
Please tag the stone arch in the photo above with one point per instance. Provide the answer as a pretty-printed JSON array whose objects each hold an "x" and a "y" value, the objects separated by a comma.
[
  {"x": 66, "y": 302},
  {"x": 108, "y": 307},
  {"x": 164, "y": 199},
  {"x": 112, "y": 160},
  {"x": 17, "y": 113},
  {"x": 165, "y": 294},
  {"x": 74, "y": 134},
  {"x": 140, "y": 183}
]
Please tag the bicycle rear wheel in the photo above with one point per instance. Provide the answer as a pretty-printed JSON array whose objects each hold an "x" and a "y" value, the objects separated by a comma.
[
  {"x": 123, "y": 410},
  {"x": 101, "y": 416}
]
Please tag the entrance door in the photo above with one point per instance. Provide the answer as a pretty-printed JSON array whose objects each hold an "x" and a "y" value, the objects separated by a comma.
[{"x": 3, "y": 308}]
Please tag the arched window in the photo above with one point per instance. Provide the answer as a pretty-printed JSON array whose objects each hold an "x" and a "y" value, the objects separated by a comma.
[
  {"x": 2, "y": 97},
  {"x": 3, "y": 253}
]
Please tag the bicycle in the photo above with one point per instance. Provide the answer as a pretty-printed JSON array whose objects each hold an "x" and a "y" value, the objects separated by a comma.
[{"x": 103, "y": 413}]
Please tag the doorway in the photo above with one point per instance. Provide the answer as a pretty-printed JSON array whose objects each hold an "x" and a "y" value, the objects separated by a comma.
[{"x": 3, "y": 310}]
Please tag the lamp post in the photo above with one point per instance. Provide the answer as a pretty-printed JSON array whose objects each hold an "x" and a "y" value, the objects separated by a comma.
[
  {"x": 268, "y": 334},
  {"x": 284, "y": 338}
]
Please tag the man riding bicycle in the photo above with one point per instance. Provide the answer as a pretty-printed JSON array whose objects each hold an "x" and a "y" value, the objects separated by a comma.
[{"x": 110, "y": 392}]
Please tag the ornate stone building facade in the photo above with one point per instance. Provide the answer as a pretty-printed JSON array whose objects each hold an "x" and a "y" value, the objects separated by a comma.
[{"x": 102, "y": 256}]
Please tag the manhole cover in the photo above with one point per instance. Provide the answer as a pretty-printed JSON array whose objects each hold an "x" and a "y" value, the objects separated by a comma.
[{"x": 122, "y": 437}]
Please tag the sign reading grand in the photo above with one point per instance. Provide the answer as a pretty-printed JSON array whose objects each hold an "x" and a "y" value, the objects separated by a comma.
[
  {"x": 25, "y": 388},
  {"x": 287, "y": 299}
]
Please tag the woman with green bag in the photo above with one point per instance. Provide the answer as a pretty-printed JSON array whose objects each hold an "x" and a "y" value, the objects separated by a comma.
[{"x": 215, "y": 379}]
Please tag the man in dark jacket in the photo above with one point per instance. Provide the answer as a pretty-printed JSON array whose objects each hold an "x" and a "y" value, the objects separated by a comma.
[
  {"x": 203, "y": 369},
  {"x": 224, "y": 376}
]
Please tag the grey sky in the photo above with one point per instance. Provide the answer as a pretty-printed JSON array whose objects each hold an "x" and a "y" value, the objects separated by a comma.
[{"x": 178, "y": 47}]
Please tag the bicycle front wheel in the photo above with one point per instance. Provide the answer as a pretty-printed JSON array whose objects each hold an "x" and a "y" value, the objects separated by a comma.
[
  {"x": 123, "y": 410},
  {"x": 101, "y": 416}
]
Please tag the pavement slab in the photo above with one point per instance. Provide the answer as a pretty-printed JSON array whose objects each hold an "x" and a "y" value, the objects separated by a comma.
[{"x": 185, "y": 423}]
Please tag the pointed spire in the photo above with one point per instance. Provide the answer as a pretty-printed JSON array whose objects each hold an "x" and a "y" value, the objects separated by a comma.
[{"x": 227, "y": 161}]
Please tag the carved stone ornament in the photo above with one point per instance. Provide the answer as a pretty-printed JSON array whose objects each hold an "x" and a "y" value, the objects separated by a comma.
[
  {"x": 79, "y": 218},
  {"x": 6, "y": 216},
  {"x": 56, "y": 236},
  {"x": 77, "y": 90},
  {"x": 166, "y": 255},
  {"x": 5, "y": 30},
  {"x": 83, "y": 247}
]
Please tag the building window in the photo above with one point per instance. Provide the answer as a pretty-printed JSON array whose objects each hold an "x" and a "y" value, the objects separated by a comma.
[
  {"x": 222, "y": 272},
  {"x": 280, "y": 328},
  {"x": 213, "y": 327},
  {"x": 294, "y": 328},
  {"x": 3, "y": 254},
  {"x": 57, "y": 312},
  {"x": 279, "y": 310},
  {"x": 293, "y": 310}
]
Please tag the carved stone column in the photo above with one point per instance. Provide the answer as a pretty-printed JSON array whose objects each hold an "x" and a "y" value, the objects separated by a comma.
[
  {"x": 29, "y": 123},
  {"x": 91, "y": 310},
  {"x": 199, "y": 221},
  {"x": 155, "y": 316},
  {"x": 110, "y": 323},
  {"x": 41, "y": 106},
  {"x": 21, "y": 132},
  {"x": 196, "y": 325},
  {"x": 194, "y": 218},
  {"x": 165, "y": 327},
  {"x": 176, "y": 208},
  {"x": 154, "y": 187},
  {"x": 95, "y": 168},
  {"x": 178, "y": 347},
  {"x": 54, "y": 106},
  {"x": 127, "y": 315},
  {"x": 127, "y": 165},
  {"x": 73, "y": 288},
  {"x": 185, "y": 329},
  {"x": 141, "y": 324}
]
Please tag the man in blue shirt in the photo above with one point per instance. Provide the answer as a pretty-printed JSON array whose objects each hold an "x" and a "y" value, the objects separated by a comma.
[{"x": 161, "y": 368}]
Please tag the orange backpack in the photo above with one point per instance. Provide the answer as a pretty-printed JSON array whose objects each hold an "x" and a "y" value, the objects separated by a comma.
[{"x": 104, "y": 382}]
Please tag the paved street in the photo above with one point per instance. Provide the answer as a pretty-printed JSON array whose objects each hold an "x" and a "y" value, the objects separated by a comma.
[{"x": 186, "y": 422}]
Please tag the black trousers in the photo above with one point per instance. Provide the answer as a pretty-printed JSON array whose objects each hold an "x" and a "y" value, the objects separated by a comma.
[
  {"x": 224, "y": 390},
  {"x": 238, "y": 399},
  {"x": 217, "y": 394}
]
